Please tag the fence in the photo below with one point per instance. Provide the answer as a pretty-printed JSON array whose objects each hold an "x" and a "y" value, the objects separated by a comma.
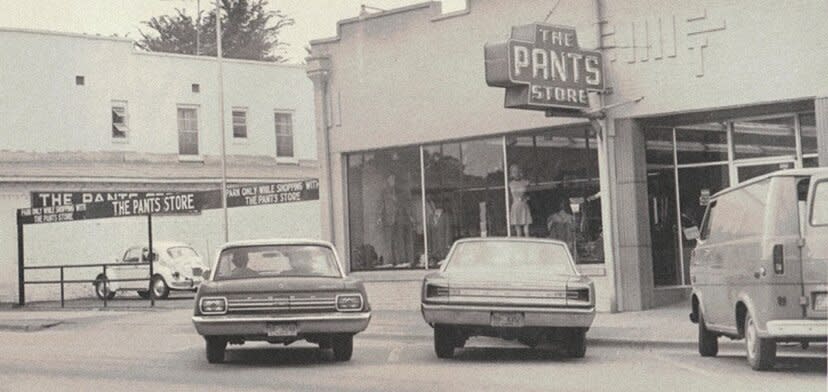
[{"x": 106, "y": 280}]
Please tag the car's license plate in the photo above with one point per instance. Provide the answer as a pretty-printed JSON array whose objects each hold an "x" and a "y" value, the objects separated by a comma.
[
  {"x": 282, "y": 329},
  {"x": 507, "y": 319}
]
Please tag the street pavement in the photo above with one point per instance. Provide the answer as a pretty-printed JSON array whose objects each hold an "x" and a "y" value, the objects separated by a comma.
[{"x": 130, "y": 346}]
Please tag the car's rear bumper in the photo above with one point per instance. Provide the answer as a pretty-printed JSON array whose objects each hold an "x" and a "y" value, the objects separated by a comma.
[
  {"x": 254, "y": 325},
  {"x": 797, "y": 328},
  {"x": 532, "y": 317}
]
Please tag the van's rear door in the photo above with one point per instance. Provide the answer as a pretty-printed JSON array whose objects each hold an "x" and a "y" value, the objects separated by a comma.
[{"x": 815, "y": 249}]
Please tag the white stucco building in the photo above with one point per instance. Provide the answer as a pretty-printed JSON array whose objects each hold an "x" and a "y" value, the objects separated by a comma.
[{"x": 82, "y": 113}]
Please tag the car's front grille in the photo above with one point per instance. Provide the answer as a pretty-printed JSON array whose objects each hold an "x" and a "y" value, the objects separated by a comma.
[{"x": 282, "y": 303}]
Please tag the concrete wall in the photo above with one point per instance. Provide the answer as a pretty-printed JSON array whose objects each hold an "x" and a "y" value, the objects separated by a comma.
[{"x": 42, "y": 101}]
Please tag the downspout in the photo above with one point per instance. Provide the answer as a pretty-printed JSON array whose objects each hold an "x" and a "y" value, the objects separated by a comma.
[
  {"x": 318, "y": 70},
  {"x": 600, "y": 125}
]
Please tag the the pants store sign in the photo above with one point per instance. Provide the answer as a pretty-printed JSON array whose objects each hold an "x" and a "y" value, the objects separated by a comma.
[
  {"x": 48, "y": 207},
  {"x": 542, "y": 67}
]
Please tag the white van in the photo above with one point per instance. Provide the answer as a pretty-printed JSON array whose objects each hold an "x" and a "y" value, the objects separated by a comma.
[{"x": 759, "y": 270}]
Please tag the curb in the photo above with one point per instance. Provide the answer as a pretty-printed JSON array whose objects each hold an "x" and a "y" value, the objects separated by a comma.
[{"x": 29, "y": 325}]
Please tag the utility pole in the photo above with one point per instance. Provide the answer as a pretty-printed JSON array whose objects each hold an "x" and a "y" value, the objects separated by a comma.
[{"x": 221, "y": 127}]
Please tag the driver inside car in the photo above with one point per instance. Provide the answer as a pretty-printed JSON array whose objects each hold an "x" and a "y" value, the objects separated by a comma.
[{"x": 240, "y": 269}]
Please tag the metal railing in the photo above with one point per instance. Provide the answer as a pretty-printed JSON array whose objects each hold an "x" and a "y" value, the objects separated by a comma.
[{"x": 106, "y": 280}]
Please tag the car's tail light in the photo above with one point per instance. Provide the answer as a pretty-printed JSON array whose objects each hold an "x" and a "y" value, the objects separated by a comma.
[
  {"x": 778, "y": 259},
  {"x": 578, "y": 294},
  {"x": 349, "y": 302},
  {"x": 213, "y": 305},
  {"x": 434, "y": 291}
]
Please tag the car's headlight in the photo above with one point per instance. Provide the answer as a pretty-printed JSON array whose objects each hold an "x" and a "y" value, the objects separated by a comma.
[
  {"x": 213, "y": 305},
  {"x": 349, "y": 302}
]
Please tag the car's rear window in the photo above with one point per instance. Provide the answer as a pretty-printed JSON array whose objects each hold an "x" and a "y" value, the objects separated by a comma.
[
  {"x": 819, "y": 208},
  {"x": 181, "y": 251},
  {"x": 276, "y": 261},
  {"x": 510, "y": 257}
]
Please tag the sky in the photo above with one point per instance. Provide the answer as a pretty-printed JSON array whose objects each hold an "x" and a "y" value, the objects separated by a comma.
[{"x": 314, "y": 18}]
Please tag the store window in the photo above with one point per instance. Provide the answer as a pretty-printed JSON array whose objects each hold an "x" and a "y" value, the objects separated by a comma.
[
  {"x": 464, "y": 193},
  {"x": 764, "y": 138},
  {"x": 385, "y": 209},
  {"x": 701, "y": 143},
  {"x": 554, "y": 190}
]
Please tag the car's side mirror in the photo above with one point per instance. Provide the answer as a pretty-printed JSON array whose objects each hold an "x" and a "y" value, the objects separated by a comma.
[{"x": 206, "y": 274}]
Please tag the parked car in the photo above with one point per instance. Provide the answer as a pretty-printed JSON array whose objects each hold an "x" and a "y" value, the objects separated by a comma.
[
  {"x": 758, "y": 271},
  {"x": 513, "y": 288},
  {"x": 177, "y": 266},
  {"x": 280, "y": 291}
]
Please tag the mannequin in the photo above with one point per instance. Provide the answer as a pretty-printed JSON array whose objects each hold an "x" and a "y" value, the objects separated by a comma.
[{"x": 519, "y": 214}]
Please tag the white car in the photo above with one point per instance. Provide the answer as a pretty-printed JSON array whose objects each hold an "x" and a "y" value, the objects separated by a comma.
[{"x": 177, "y": 266}]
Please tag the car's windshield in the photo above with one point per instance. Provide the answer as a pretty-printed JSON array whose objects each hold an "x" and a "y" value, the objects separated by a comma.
[
  {"x": 276, "y": 260},
  {"x": 510, "y": 257},
  {"x": 181, "y": 251},
  {"x": 819, "y": 210}
]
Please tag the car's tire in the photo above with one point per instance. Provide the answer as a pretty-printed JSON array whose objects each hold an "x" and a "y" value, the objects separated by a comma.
[
  {"x": 343, "y": 347},
  {"x": 145, "y": 294},
  {"x": 102, "y": 289},
  {"x": 576, "y": 343},
  {"x": 159, "y": 288},
  {"x": 708, "y": 340},
  {"x": 761, "y": 353},
  {"x": 444, "y": 341},
  {"x": 216, "y": 347}
]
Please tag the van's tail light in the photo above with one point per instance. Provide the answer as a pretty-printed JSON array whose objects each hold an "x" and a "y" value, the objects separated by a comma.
[{"x": 778, "y": 259}]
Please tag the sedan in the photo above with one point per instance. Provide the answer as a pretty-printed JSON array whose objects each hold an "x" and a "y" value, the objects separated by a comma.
[
  {"x": 280, "y": 291},
  {"x": 521, "y": 289}
]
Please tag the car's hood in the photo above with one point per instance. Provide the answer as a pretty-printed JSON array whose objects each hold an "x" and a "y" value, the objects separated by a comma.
[{"x": 273, "y": 285}]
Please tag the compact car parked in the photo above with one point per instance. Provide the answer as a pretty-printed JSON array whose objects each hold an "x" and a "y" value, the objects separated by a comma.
[
  {"x": 760, "y": 267},
  {"x": 513, "y": 288},
  {"x": 176, "y": 266},
  {"x": 280, "y": 291}
]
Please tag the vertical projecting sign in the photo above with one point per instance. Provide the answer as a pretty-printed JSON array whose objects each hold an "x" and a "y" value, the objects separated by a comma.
[{"x": 542, "y": 67}]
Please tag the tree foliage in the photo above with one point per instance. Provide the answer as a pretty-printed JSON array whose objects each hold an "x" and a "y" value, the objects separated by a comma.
[{"x": 248, "y": 31}]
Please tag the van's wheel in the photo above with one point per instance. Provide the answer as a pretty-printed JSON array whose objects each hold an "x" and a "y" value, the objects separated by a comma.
[
  {"x": 708, "y": 340},
  {"x": 216, "y": 346},
  {"x": 761, "y": 353},
  {"x": 159, "y": 288},
  {"x": 145, "y": 294},
  {"x": 576, "y": 344},
  {"x": 343, "y": 347},
  {"x": 102, "y": 289},
  {"x": 444, "y": 341}
]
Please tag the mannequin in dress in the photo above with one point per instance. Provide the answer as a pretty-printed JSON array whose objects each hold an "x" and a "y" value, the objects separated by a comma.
[{"x": 519, "y": 214}]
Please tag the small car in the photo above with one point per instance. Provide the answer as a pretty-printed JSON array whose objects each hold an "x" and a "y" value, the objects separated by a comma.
[
  {"x": 513, "y": 288},
  {"x": 176, "y": 266},
  {"x": 759, "y": 270},
  {"x": 280, "y": 291}
]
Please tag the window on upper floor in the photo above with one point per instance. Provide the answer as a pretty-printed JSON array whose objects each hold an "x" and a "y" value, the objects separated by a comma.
[
  {"x": 187, "y": 130},
  {"x": 120, "y": 124},
  {"x": 240, "y": 123},
  {"x": 284, "y": 134}
]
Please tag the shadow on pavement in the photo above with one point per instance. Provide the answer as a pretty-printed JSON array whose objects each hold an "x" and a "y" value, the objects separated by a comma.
[
  {"x": 512, "y": 354},
  {"x": 785, "y": 364},
  {"x": 277, "y": 355}
]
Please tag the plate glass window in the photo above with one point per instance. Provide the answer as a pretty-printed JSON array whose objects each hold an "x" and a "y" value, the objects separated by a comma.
[
  {"x": 284, "y": 134},
  {"x": 764, "y": 138},
  {"x": 239, "y": 123},
  {"x": 187, "y": 131},
  {"x": 120, "y": 129}
]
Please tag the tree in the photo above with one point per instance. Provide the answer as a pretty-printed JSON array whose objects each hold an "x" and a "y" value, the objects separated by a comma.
[{"x": 248, "y": 31}]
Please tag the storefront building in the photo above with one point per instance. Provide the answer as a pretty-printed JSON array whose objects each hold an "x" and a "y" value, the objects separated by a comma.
[{"x": 417, "y": 151}]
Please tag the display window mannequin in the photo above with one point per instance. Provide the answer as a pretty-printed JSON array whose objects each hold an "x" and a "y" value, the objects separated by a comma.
[{"x": 519, "y": 213}]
